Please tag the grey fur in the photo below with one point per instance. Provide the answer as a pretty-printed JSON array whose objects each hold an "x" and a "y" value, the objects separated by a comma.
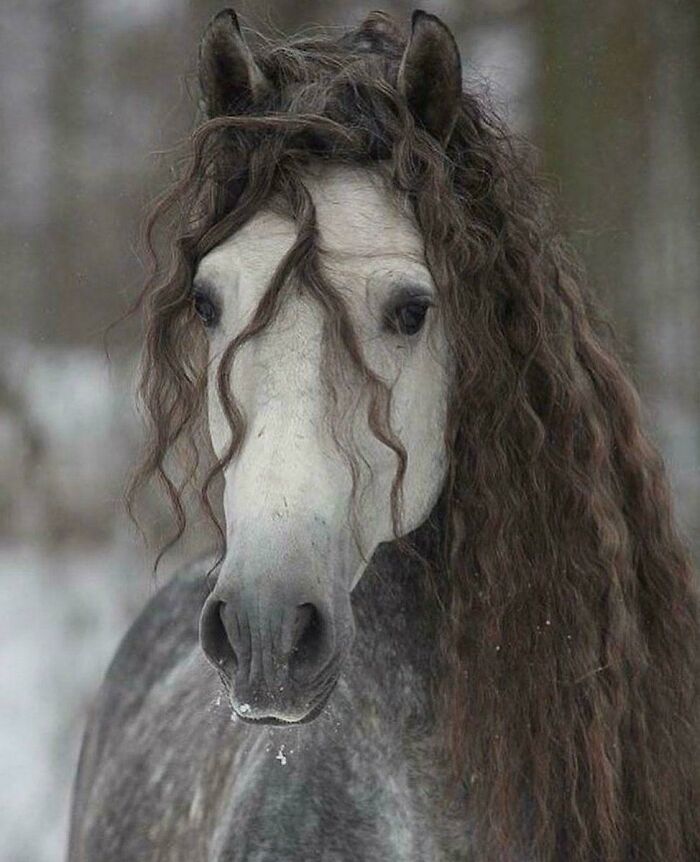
[{"x": 166, "y": 773}]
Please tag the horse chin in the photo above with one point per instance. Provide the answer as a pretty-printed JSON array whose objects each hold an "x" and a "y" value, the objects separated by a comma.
[{"x": 277, "y": 718}]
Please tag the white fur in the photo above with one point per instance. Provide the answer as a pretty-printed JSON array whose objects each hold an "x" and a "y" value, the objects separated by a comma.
[{"x": 289, "y": 476}]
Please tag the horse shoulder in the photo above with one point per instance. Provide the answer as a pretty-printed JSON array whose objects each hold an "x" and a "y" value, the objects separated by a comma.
[{"x": 162, "y": 639}]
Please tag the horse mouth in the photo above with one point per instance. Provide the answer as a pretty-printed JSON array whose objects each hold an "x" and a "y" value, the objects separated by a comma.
[{"x": 315, "y": 708}]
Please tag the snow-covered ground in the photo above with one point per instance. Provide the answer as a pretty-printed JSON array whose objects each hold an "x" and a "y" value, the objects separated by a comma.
[{"x": 61, "y": 616}]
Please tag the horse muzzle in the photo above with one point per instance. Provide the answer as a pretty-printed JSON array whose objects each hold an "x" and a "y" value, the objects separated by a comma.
[{"x": 277, "y": 647}]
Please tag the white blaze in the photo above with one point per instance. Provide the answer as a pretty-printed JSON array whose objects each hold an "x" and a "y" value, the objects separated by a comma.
[{"x": 289, "y": 479}]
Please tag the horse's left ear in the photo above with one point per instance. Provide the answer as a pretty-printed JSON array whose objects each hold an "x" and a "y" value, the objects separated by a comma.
[
  {"x": 228, "y": 74},
  {"x": 430, "y": 75}
]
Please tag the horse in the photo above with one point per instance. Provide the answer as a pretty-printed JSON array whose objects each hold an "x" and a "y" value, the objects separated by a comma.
[{"x": 451, "y": 616}]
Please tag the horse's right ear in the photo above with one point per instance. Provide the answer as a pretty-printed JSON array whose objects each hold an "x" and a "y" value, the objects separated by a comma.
[{"x": 228, "y": 74}]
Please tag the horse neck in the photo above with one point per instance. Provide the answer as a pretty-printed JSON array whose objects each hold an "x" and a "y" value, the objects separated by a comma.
[{"x": 396, "y": 607}]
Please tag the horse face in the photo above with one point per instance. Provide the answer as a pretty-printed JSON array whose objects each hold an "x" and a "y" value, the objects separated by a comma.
[{"x": 308, "y": 495}]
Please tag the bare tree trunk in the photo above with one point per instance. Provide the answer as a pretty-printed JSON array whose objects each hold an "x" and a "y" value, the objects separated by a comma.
[
  {"x": 596, "y": 76},
  {"x": 61, "y": 294}
]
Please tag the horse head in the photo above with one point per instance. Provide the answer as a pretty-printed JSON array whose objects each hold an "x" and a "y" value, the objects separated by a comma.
[{"x": 339, "y": 372}]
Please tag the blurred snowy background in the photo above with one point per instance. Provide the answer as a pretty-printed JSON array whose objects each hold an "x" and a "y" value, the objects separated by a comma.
[{"x": 90, "y": 92}]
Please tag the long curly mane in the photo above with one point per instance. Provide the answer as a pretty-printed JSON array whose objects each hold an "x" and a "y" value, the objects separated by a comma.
[{"x": 569, "y": 697}]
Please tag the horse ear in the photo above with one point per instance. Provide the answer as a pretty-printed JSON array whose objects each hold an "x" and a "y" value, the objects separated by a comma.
[
  {"x": 430, "y": 75},
  {"x": 228, "y": 74}
]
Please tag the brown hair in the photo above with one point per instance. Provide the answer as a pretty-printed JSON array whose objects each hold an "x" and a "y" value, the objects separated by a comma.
[{"x": 571, "y": 640}]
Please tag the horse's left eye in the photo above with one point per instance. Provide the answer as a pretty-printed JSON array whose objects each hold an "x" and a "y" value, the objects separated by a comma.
[
  {"x": 204, "y": 308},
  {"x": 407, "y": 318}
]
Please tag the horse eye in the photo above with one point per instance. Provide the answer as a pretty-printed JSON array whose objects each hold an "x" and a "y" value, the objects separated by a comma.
[
  {"x": 204, "y": 308},
  {"x": 408, "y": 318}
]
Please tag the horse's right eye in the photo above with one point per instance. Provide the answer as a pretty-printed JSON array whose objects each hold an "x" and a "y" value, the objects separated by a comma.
[{"x": 205, "y": 308}]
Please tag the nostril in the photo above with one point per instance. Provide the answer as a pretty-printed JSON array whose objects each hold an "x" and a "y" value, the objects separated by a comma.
[
  {"x": 307, "y": 638},
  {"x": 215, "y": 639}
]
